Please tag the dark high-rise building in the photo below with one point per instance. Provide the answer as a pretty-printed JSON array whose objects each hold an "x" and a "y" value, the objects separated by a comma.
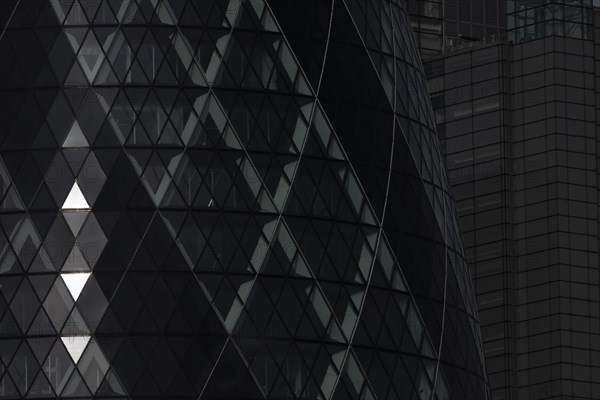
[
  {"x": 518, "y": 118},
  {"x": 225, "y": 199}
]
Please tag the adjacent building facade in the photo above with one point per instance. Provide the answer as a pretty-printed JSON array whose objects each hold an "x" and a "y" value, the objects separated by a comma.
[
  {"x": 518, "y": 118},
  {"x": 226, "y": 199}
]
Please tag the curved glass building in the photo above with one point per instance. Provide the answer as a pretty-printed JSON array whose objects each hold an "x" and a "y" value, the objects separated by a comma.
[{"x": 225, "y": 199}]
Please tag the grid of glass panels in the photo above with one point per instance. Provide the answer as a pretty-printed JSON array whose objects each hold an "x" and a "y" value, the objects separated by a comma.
[
  {"x": 468, "y": 90},
  {"x": 184, "y": 213},
  {"x": 555, "y": 199},
  {"x": 473, "y": 20},
  {"x": 534, "y": 19},
  {"x": 428, "y": 24}
]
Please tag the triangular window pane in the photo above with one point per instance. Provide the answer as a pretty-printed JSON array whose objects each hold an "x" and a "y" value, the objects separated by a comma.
[
  {"x": 75, "y": 200},
  {"x": 75, "y": 220},
  {"x": 90, "y": 56},
  {"x": 75, "y": 282},
  {"x": 11, "y": 201},
  {"x": 75, "y": 262},
  {"x": 75, "y": 137},
  {"x": 75, "y": 345}
]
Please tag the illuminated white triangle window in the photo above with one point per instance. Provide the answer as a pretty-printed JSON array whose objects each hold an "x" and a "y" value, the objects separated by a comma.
[
  {"x": 75, "y": 282},
  {"x": 75, "y": 200},
  {"x": 75, "y": 345}
]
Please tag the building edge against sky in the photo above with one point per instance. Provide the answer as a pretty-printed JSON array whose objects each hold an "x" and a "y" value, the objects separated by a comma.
[
  {"x": 226, "y": 199},
  {"x": 518, "y": 117}
]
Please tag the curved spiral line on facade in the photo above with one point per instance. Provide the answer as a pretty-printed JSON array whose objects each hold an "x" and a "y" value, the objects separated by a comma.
[
  {"x": 443, "y": 227},
  {"x": 379, "y": 222},
  {"x": 415, "y": 161},
  {"x": 12, "y": 14},
  {"x": 281, "y": 219},
  {"x": 383, "y": 213}
]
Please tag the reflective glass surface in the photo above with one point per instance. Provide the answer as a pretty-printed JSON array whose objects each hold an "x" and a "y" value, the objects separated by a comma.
[{"x": 226, "y": 199}]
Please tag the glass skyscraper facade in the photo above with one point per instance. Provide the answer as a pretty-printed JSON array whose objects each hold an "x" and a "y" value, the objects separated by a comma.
[{"x": 225, "y": 199}]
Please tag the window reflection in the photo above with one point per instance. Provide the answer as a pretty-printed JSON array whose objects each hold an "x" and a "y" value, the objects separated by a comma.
[{"x": 533, "y": 19}]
